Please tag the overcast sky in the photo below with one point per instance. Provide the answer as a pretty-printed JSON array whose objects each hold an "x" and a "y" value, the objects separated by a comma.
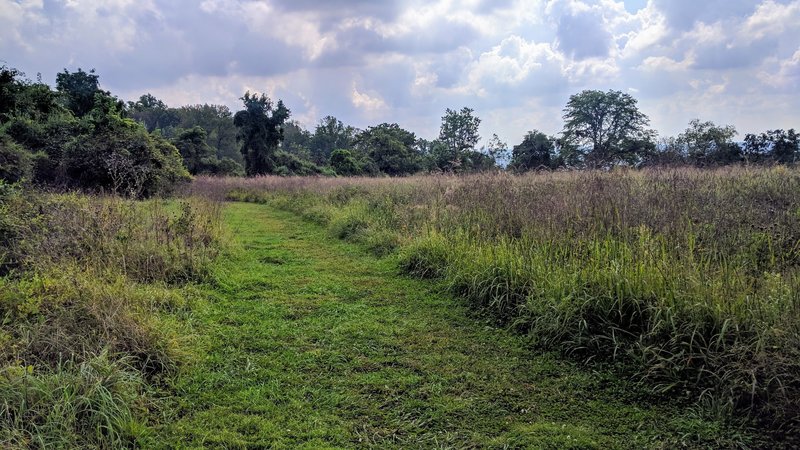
[{"x": 366, "y": 62}]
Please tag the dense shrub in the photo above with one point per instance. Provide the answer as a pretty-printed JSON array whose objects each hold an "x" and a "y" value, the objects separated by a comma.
[{"x": 15, "y": 162}]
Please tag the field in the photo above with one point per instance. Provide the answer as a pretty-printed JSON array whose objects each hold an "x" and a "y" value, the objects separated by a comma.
[
  {"x": 622, "y": 309},
  {"x": 688, "y": 278}
]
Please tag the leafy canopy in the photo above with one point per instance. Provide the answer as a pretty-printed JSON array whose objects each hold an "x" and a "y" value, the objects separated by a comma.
[
  {"x": 260, "y": 131},
  {"x": 607, "y": 127}
]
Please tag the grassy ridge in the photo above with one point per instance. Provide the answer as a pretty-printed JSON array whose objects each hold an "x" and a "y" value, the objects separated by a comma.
[
  {"x": 688, "y": 277},
  {"x": 89, "y": 295}
]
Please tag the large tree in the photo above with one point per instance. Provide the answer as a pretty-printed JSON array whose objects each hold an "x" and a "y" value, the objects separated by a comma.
[
  {"x": 607, "y": 127},
  {"x": 392, "y": 148},
  {"x": 537, "y": 150},
  {"x": 459, "y": 134},
  {"x": 330, "y": 134},
  {"x": 707, "y": 143},
  {"x": 78, "y": 90},
  {"x": 198, "y": 156},
  {"x": 260, "y": 131},
  {"x": 776, "y": 145},
  {"x": 153, "y": 113},
  {"x": 217, "y": 120}
]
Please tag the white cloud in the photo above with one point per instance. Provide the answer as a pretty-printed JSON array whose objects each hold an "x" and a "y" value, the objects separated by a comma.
[
  {"x": 367, "y": 102},
  {"x": 775, "y": 19},
  {"x": 515, "y": 61}
]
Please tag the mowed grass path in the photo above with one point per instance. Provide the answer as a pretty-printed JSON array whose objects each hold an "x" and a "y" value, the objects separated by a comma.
[{"x": 309, "y": 342}]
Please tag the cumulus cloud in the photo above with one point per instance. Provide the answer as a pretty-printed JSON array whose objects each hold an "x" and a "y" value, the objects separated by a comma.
[{"x": 515, "y": 61}]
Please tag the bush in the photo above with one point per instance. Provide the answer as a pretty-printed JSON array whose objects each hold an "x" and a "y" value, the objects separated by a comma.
[{"x": 15, "y": 162}]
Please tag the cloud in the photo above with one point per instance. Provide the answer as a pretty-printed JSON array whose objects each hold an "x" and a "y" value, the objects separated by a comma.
[
  {"x": 583, "y": 34},
  {"x": 515, "y": 61}
]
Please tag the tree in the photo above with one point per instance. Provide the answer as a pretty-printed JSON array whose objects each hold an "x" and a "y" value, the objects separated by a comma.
[
  {"x": 537, "y": 150},
  {"x": 15, "y": 162},
  {"x": 296, "y": 140},
  {"x": 153, "y": 113},
  {"x": 78, "y": 90},
  {"x": 392, "y": 148},
  {"x": 198, "y": 156},
  {"x": 667, "y": 152},
  {"x": 260, "y": 131},
  {"x": 497, "y": 150},
  {"x": 780, "y": 146},
  {"x": 706, "y": 143},
  {"x": 343, "y": 162},
  {"x": 120, "y": 155},
  {"x": 603, "y": 125},
  {"x": 9, "y": 87},
  {"x": 459, "y": 134},
  {"x": 329, "y": 135},
  {"x": 217, "y": 120}
]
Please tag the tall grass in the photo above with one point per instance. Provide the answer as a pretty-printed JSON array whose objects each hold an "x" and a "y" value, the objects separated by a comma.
[
  {"x": 85, "y": 284},
  {"x": 691, "y": 278}
]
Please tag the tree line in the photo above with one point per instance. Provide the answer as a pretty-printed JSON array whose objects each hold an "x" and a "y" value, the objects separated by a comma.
[{"x": 78, "y": 135}]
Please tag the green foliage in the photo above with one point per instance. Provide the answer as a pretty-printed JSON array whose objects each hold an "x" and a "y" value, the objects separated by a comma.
[
  {"x": 78, "y": 90},
  {"x": 289, "y": 164},
  {"x": 120, "y": 156},
  {"x": 343, "y": 162},
  {"x": 779, "y": 146},
  {"x": 229, "y": 167},
  {"x": 296, "y": 140},
  {"x": 536, "y": 151},
  {"x": 198, "y": 156},
  {"x": 260, "y": 132},
  {"x": 79, "y": 405},
  {"x": 217, "y": 120},
  {"x": 153, "y": 113},
  {"x": 86, "y": 314},
  {"x": 329, "y": 135},
  {"x": 15, "y": 163},
  {"x": 607, "y": 127},
  {"x": 87, "y": 144},
  {"x": 706, "y": 143},
  {"x": 459, "y": 135},
  {"x": 391, "y": 148}
]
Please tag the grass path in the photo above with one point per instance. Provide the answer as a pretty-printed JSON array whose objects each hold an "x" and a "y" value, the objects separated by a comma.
[{"x": 308, "y": 342}]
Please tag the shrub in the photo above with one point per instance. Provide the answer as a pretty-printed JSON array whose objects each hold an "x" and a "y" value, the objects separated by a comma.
[{"x": 15, "y": 162}]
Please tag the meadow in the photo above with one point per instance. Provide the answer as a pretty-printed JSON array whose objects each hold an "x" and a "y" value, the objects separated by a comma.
[
  {"x": 685, "y": 279},
  {"x": 585, "y": 309}
]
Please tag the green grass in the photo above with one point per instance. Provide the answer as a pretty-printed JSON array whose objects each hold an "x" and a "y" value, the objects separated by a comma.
[
  {"x": 310, "y": 342},
  {"x": 688, "y": 278}
]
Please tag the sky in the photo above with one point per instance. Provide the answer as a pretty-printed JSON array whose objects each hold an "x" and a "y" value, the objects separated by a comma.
[{"x": 515, "y": 62}]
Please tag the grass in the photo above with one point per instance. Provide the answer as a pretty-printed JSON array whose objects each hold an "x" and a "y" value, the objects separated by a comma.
[
  {"x": 688, "y": 278},
  {"x": 136, "y": 324},
  {"x": 94, "y": 299},
  {"x": 310, "y": 342}
]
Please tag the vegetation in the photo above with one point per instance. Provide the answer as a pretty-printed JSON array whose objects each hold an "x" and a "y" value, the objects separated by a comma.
[
  {"x": 88, "y": 296},
  {"x": 669, "y": 272},
  {"x": 687, "y": 278},
  {"x": 314, "y": 343}
]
